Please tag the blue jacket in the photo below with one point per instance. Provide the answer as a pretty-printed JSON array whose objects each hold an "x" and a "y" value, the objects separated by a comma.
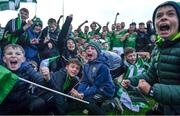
[
  {"x": 97, "y": 78},
  {"x": 30, "y": 49}
]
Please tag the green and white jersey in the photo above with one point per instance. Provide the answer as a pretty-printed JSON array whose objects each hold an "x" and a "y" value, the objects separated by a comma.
[
  {"x": 116, "y": 38},
  {"x": 84, "y": 36},
  {"x": 136, "y": 69}
]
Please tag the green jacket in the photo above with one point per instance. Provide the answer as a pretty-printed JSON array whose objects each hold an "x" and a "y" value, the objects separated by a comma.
[{"x": 164, "y": 75}]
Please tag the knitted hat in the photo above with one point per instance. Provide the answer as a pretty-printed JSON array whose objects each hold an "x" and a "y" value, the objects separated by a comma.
[
  {"x": 37, "y": 21},
  {"x": 170, "y": 3},
  {"x": 96, "y": 45}
]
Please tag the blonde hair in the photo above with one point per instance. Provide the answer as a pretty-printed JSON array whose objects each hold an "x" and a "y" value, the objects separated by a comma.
[{"x": 14, "y": 46}]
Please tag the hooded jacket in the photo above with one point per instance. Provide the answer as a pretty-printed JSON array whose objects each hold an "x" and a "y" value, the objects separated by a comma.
[
  {"x": 62, "y": 43},
  {"x": 164, "y": 72},
  {"x": 97, "y": 78}
]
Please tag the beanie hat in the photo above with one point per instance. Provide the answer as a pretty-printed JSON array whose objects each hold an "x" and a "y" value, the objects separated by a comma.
[
  {"x": 96, "y": 45},
  {"x": 37, "y": 21},
  {"x": 175, "y": 5}
]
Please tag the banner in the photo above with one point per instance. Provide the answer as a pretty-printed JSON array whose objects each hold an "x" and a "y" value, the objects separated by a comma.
[
  {"x": 9, "y": 5},
  {"x": 35, "y": 1}
]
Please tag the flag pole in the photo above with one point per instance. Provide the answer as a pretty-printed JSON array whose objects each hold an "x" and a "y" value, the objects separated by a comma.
[
  {"x": 60, "y": 93},
  {"x": 63, "y": 10},
  {"x": 35, "y": 9}
]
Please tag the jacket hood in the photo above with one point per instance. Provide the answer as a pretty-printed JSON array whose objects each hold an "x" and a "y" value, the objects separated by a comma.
[{"x": 101, "y": 59}]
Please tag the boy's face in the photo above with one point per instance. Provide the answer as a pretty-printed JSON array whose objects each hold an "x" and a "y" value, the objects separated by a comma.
[
  {"x": 122, "y": 25},
  {"x": 131, "y": 58},
  {"x": 86, "y": 29},
  {"x": 118, "y": 26},
  {"x": 13, "y": 58},
  {"x": 91, "y": 53},
  {"x": 72, "y": 69},
  {"x": 166, "y": 21},
  {"x": 37, "y": 29},
  {"x": 76, "y": 33},
  {"x": 71, "y": 45},
  {"x": 24, "y": 15},
  {"x": 141, "y": 27},
  {"x": 93, "y": 26},
  {"x": 131, "y": 28},
  {"x": 52, "y": 27}
]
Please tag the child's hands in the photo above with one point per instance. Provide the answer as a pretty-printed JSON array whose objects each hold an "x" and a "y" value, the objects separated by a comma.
[
  {"x": 75, "y": 93},
  {"x": 46, "y": 39},
  {"x": 50, "y": 46},
  {"x": 29, "y": 23},
  {"x": 34, "y": 41},
  {"x": 45, "y": 72},
  {"x": 125, "y": 83},
  {"x": 144, "y": 86}
]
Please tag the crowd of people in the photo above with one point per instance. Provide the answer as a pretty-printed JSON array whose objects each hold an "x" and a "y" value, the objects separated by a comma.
[{"x": 95, "y": 64}]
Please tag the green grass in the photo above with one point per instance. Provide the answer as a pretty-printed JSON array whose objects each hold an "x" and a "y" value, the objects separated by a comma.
[
  {"x": 141, "y": 112},
  {"x": 126, "y": 110}
]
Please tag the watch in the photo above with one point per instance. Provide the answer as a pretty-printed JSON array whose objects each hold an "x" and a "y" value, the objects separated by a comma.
[{"x": 151, "y": 92}]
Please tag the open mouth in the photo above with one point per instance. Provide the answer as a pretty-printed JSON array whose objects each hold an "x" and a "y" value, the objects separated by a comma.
[
  {"x": 164, "y": 27},
  {"x": 71, "y": 47},
  {"x": 13, "y": 63},
  {"x": 89, "y": 55}
]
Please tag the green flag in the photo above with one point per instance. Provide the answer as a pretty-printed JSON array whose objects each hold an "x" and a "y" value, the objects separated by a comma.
[
  {"x": 47, "y": 61},
  {"x": 35, "y": 1},
  {"x": 7, "y": 81},
  {"x": 9, "y": 4}
]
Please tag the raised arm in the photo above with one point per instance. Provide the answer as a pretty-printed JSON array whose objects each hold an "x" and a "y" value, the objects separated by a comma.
[
  {"x": 64, "y": 33},
  {"x": 116, "y": 18},
  {"x": 58, "y": 21},
  {"x": 79, "y": 27},
  {"x": 107, "y": 26}
]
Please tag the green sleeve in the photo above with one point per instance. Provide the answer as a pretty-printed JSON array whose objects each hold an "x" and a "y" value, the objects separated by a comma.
[{"x": 167, "y": 94}]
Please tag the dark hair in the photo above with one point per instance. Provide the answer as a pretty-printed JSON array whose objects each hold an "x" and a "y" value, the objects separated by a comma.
[
  {"x": 141, "y": 23},
  {"x": 129, "y": 50},
  {"x": 133, "y": 23},
  {"x": 25, "y": 10},
  {"x": 51, "y": 21}
]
